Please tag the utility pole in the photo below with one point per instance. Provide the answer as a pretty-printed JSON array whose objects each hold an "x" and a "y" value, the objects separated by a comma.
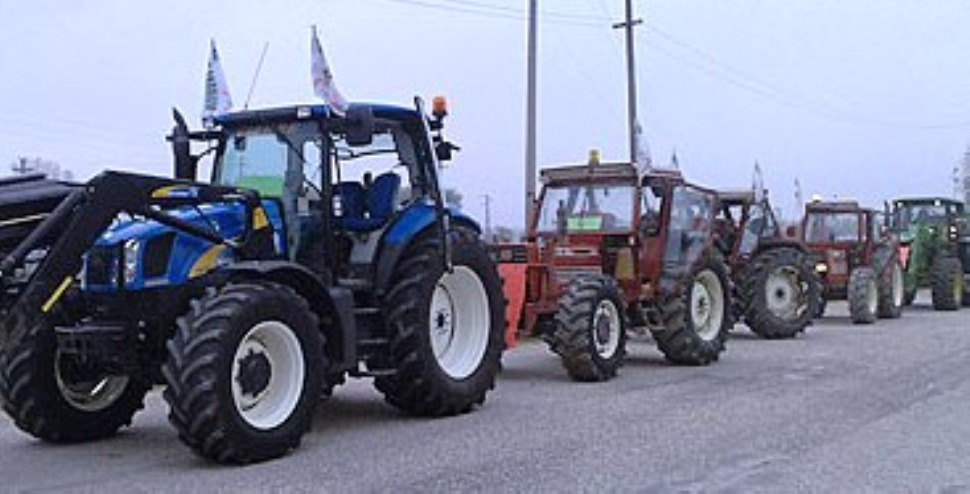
[
  {"x": 530, "y": 118},
  {"x": 631, "y": 84},
  {"x": 487, "y": 199}
]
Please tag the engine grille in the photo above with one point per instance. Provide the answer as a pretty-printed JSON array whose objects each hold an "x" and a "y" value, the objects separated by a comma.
[{"x": 101, "y": 265}]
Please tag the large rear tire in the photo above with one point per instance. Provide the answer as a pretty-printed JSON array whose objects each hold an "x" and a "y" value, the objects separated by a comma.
[
  {"x": 780, "y": 294},
  {"x": 947, "y": 283},
  {"x": 446, "y": 329},
  {"x": 57, "y": 397},
  {"x": 590, "y": 334},
  {"x": 244, "y": 373},
  {"x": 698, "y": 319},
  {"x": 863, "y": 296},
  {"x": 891, "y": 284}
]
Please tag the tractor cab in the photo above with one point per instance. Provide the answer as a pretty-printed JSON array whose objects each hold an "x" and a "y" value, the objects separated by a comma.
[{"x": 839, "y": 235}]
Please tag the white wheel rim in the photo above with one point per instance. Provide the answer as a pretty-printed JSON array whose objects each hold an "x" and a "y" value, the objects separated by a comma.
[
  {"x": 783, "y": 293},
  {"x": 271, "y": 404},
  {"x": 707, "y": 305},
  {"x": 897, "y": 286},
  {"x": 872, "y": 297},
  {"x": 89, "y": 396},
  {"x": 459, "y": 322},
  {"x": 606, "y": 329}
]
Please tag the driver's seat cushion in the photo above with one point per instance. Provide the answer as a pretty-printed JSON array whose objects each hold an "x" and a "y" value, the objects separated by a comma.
[{"x": 379, "y": 200}]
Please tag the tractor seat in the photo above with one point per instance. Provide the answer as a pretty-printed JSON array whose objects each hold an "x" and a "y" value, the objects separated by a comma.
[
  {"x": 377, "y": 204},
  {"x": 353, "y": 203}
]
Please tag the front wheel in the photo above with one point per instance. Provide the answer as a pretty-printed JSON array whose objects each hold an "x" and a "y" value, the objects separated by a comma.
[
  {"x": 863, "y": 295},
  {"x": 244, "y": 373},
  {"x": 59, "y": 397},
  {"x": 590, "y": 334},
  {"x": 446, "y": 328},
  {"x": 698, "y": 319},
  {"x": 947, "y": 279},
  {"x": 781, "y": 294},
  {"x": 891, "y": 286}
]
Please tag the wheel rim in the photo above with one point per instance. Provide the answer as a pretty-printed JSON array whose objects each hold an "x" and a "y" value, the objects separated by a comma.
[
  {"x": 88, "y": 393},
  {"x": 872, "y": 297},
  {"x": 783, "y": 293},
  {"x": 606, "y": 329},
  {"x": 898, "y": 286},
  {"x": 267, "y": 375},
  {"x": 707, "y": 305},
  {"x": 459, "y": 322}
]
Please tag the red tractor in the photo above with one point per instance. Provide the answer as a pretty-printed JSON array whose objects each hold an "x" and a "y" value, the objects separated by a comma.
[
  {"x": 776, "y": 292},
  {"x": 610, "y": 250},
  {"x": 855, "y": 259}
]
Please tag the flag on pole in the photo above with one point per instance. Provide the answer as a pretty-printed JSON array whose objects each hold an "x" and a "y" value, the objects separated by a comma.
[
  {"x": 674, "y": 161},
  {"x": 217, "y": 98},
  {"x": 644, "y": 160},
  {"x": 323, "y": 84},
  {"x": 758, "y": 183}
]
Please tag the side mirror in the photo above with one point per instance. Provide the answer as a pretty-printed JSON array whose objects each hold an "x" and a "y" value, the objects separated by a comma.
[
  {"x": 359, "y": 125},
  {"x": 185, "y": 165},
  {"x": 444, "y": 150},
  {"x": 791, "y": 231}
]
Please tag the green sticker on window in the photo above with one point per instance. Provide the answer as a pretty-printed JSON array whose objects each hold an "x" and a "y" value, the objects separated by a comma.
[{"x": 584, "y": 223}]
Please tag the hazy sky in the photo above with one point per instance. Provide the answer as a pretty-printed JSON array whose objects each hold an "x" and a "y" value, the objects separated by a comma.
[{"x": 863, "y": 99}]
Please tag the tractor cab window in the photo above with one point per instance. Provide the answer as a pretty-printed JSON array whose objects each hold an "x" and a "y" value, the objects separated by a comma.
[
  {"x": 652, "y": 197},
  {"x": 912, "y": 215},
  {"x": 832, "y": 227},
  {"x": 691, "y": 218},
  {"x": 253, "y": 159},
  {"x": 578, "y": 208},
  {"x": 754, "y": 228},
  {"x": 372, "y": 181}
]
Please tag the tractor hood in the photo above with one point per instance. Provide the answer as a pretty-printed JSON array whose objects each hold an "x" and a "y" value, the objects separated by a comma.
[{"x": 226, "y": 219}]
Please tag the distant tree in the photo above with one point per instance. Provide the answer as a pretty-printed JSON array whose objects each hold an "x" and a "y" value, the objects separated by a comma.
[
  {"x": 50, "y": 169},
  {"x": 454, "y": 198}
]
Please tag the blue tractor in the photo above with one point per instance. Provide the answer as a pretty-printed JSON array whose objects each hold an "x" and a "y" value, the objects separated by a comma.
[{"x": 320, "y": 248}]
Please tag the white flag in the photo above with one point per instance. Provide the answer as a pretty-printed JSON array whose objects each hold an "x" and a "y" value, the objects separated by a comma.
[
  {"x": 323, "y": 85},
  {"x": 217, "y": 99},
  {"x": 642, "y": 151},
  {"x": 758, "y": 183}
]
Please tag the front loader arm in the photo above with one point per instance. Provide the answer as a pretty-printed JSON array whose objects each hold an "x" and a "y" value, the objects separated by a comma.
[{"x": 83, "y": 217}]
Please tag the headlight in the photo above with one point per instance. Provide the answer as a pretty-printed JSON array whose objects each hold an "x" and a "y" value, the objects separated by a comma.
[
  {"x": 130, "y": 258},
  {"x": 821, "y": 267}
]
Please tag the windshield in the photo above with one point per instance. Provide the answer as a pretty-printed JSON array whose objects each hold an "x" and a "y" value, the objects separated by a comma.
[
  {"x": 256, "y": 159},
  {"x": 910, "y": 215},
  {"x": 832, "y": 227},
  {"x": 586, "y": 208}
]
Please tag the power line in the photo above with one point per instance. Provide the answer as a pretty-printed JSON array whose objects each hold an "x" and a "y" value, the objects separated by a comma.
[
  {"x": 715, "y": 68},
  {"x": 502, "y": 12}
]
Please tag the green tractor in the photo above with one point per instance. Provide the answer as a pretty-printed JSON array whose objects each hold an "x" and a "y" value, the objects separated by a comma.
[{"x": 934, "y": 234}]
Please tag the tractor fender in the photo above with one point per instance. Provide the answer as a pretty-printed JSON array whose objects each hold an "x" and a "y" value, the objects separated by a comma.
[
  {"x": 334, "y": 305},
  {"x": 777, "y": 243},
  {"x": 417, "y": 220}
]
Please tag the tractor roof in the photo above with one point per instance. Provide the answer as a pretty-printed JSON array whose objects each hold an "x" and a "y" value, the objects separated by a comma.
[
  {"x": 835, "y": 207},
  {"x": 590, "y": 173},
  {"x": 925, "y": 201},
  {"x": 736, "y": 196},
  {"x": 317, "y": 111}
]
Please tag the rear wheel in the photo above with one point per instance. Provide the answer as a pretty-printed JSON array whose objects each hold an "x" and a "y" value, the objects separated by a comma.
[
  {"x": 590, "y": 334},
  {"x": 698, "y": 319},
  {"x": 446, "y": 328},
  {"x": 863, "y": 296},
  {"x": 947, "y": 279},
  {"x": 59, "y": 397},
  {"x": 780, "y": 293},
  {"x": 244, "y": 373}
]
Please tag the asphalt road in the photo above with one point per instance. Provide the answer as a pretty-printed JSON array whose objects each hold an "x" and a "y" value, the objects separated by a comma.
[{"x": 881, "y": 408}]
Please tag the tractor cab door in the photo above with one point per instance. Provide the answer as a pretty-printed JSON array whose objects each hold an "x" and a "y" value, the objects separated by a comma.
[{"x": 689, "y": 229}]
